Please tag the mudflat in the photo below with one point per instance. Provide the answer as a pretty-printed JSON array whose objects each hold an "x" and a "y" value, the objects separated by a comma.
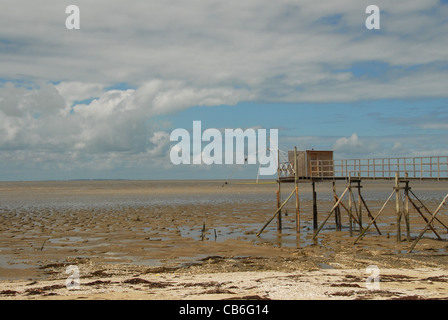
[{"x": 197, "y": 240}]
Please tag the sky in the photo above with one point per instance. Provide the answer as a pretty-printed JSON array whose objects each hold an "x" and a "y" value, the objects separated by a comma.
[{"x": 100, "y": 102}]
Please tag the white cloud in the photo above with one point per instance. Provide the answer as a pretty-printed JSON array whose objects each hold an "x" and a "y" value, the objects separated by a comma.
[
  {"x": 198, "y": 53},
  {"x": 160, "y": 143},
  {"x": 435, "y": 126},
  {"x": 283, "y": 50},
  {"x": 355, "y": 147},
  {"x": 77, "y": 91},
  {"x": 108, "y": 131},
  {"x": 170, "y": 96},
  {"x": 350, "y": 144}
]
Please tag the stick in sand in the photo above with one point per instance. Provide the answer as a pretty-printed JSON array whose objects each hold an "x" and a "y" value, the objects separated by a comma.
[{"x": 42, "y": 248}]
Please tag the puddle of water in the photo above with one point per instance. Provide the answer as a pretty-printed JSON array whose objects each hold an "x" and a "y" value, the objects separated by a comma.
[
  {"x": 325, "y": 266},
  {"x": 65, "y": 240},
  {"x": 7, "y": 263},
  {"x": 147, "y": 262}
]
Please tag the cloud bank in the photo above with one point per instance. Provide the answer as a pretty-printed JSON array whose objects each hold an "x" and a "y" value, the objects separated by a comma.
[{"x": 90, "y": 98}]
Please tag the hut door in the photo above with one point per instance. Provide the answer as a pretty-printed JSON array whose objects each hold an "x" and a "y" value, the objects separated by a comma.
[{"x": 313, "y": 166}]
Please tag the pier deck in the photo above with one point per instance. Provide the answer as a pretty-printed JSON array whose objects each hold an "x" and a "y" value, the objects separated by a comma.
[{"x": 415, "y": 168}]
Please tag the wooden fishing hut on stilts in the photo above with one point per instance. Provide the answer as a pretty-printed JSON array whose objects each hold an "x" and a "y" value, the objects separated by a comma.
[{"x": 314, "y": 166}]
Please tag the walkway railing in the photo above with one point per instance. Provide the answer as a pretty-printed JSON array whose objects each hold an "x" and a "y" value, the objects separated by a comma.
[{"x": 381, "y": 168}]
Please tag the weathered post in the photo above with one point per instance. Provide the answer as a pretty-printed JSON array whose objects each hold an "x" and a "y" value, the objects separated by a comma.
[
  {"x": 406, "y": 212},
  {"x": 350, "y": 205},
  {"x": 398, "y": 205},
  {"x": 315, "y": 222},
  {"x": 296, "y": 177},
  {"x": 337, "y": 211},
  {"x": 359, "y": 205},
  {"x": 279, "y": 216}
]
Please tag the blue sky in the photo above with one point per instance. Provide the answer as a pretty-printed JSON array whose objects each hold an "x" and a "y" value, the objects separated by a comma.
[{"x": 101, "y": 102}]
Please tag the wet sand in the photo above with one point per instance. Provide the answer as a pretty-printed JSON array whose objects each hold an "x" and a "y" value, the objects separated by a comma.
[{"x": 196, "y": 240}]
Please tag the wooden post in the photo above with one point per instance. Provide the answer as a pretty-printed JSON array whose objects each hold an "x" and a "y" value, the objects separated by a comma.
[
  {"x": 421, "y": 169},
  {"x": 398, "y": 205},
  {"x": 359, "y": 206},
  {"x": 279, "y": 216},
  {"x": 296, "y": 177},
  {"x": 350, "y": 206},
  {"x": 203, "y": 231},
  {"x": 315, "y": 222},
  {"x": 337, "y": 212},
  {"x": 297, "y": 209},
  {"x": 276, "y": 212},
  {"x": 406, "y": 212},
  {"x": 331, "y": 212}
]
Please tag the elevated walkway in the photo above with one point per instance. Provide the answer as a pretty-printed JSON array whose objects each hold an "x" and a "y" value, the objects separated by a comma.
[{"x": 420, "y": 168}]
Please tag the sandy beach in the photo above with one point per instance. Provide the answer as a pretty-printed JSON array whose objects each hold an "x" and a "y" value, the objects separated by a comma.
[{"x": 197, "y": 240}]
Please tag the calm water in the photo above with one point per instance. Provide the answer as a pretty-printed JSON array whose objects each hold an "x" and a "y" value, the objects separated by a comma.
[
  {"x": 87, "y": 194},
  {"x": 147, "y": 193}
]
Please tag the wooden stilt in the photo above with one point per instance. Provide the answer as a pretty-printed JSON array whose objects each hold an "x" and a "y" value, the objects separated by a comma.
[
  {"x": 406, "y": 208},
  {"x": 376, "y": 217},
  {"x": 424, "y": 218},
  {"x": 427, "y": 210},
  {"x": 369, "y": 214},
  {"x": 275, "y": 214},
  {"x": 331, "y": 212},
  {"x": 297, "y": 209},
  {"x": 279, "y": 193},
  {"x": 296, "y": 173},
  {"x": 359, "y": 206},
  {"x": 355, "y": 212},
  {"x": 315, "y": 222},
  {"x": 354, "y": 218},
  {"x": 398, "y": 205},
  {"x": 279, "y": 215},
  {"x": 428, "y": 224},
  {"x": 203, "y": 231},
  {"x": 337, "y": 212},
  {"x": 350, "y": 206}
]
